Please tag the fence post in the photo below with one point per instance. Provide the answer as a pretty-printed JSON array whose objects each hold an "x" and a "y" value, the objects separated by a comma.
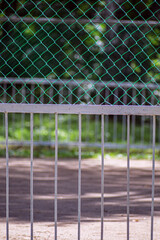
[
  {"x": 7, "y": 177},
  {"x": 31, "y": 174},
  {"x": 79, "y": 176},
  {"x": 153, "y": 175},
  {"x": 128, "y": 174}
]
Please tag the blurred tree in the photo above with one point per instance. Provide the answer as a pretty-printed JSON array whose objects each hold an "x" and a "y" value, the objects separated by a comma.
[
  {"x": 128, "y": 51},
  {"x": 9, "y": 8},
  {"x": 107, "y": 50}
]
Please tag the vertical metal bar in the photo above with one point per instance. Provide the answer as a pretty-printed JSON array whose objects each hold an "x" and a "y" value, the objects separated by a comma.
[
  {"x": 97, "y": 101},
  {"x": 40, "y": 125},
  {"x": 79, "y": 177},
  {"x": 143, "y": 119},
  {"x": 60, "y": 98},
  {"x": 50, "y": 130},
  {"x": 31, "y": 174},
  {"x": 151, "y": 122},
  {"x": 13, "y": 93},
  {"x": 79, "y": 90},
  {"x": 56, "y": 175},
  {"x": 32, "y": 94},
  {"x": 106, "y": 127},
  {"x": 102, "y": 176},
  {"x": 87, "y": 127},
  {"x": 70, "y": 100},
  {"x": 42, "y": 93},
  {"x": 142, "y": 129},
  {"x": 7, "y": 178},
  {"x": 96, "y": 127},
  {"x": 159, "y": 128},
  {"x": 23, "y": 94},
  {"x": 60, "y": 101},
  {"x": 51, "y": 92},
  {"x": 124, "y": 119},
  {"x": 153, "y": 176},
  {"x": 22, "y": 124},
  {"x": 115, "y": 128},
  {"x": 115, "y": 118},
  {"x": 123, "y": 127},
  {"x": 106, "y": 117},
  {"x": 4, "y": 101},
  {"x": 107, "y": 93},
  {"x": 14, "y": 101},
  {"x": 41, "y": 114},
  {"x": 23, "y": 114},
  {"x": 4, "y": 94},
  {"x": 133, "y": 117},
  {"x": 133, "y": 128},
  {"x": 70, "y": 93},
  {"x": 128, "y": 174}
]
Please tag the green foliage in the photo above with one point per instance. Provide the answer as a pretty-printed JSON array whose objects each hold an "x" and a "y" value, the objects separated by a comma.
[
  {"x": 136, "y": 9},
  {"x": 19, "y": 130},
  {"x": 79, "y": 40},
  {"x": 67, "y": 51}
]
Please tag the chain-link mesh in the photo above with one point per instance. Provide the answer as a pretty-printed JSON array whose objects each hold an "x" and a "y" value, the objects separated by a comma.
[{"x": 74, "y": 52}]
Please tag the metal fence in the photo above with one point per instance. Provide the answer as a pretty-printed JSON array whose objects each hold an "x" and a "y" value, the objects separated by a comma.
[
  {"x": 80, "y": 58},
  {"x": 82, "y": 110},
  {"x": 91, "y": 45},
  {"x": 113, "y": 92},
  {"x": 67, "y": 52}
]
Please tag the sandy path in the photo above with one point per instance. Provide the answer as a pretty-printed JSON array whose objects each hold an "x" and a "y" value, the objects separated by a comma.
[{"x": 115, "y": 199}]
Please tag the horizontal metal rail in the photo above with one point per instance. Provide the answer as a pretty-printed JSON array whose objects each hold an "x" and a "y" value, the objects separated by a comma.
[
  {"x": 81, "y": 109},
  {"x": 75, "y": 82},
  {"x": 108, "y": 145},
  {"x": 80, "y": 21}
]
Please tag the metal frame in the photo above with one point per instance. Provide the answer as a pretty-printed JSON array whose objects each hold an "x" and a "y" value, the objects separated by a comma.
[
  {"x": 79, "y": 110},
  {"x": 111, "y": 22},
  {"x": 42, "y": 81},
  {"x": 98, "y": 110},
  {"x": 110, "y": 91}
]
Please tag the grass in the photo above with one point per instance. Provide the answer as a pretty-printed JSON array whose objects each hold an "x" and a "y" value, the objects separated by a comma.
[{"x": 48, "y": 152}]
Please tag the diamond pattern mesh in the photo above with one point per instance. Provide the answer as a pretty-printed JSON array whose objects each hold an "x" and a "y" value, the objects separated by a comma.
[{"x": 80, "y": 52}]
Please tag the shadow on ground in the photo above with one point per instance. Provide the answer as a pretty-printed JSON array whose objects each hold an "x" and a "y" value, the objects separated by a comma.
[{"x": 115, "y": 190}]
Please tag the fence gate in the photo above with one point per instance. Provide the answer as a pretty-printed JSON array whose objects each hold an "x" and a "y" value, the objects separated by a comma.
[{"x": 79, "y": 74}]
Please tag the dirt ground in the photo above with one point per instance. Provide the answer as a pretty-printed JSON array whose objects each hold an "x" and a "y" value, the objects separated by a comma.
[{"x": 115, "y": 226}]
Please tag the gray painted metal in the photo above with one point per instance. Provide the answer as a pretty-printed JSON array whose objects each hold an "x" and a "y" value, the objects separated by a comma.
[
  {"x": 76, "y": 82},
  {"x": 31, "y": 174},
  {"x": 153, "y": 176},
  {"x": 102, "y": 176},
  {"x": 54, "y": 109},
  {"x": 56, "y": 176},
  {"x": 79, "y": 176},
  {"x": 111, "y": 22},
  {"x": 128, "y": 174},
  {"x": 7, "y": 178},
  {"x": 108, "y": 145},
  {"x": 81, "y": 109},
  {"x": 108, "y": 97}
]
